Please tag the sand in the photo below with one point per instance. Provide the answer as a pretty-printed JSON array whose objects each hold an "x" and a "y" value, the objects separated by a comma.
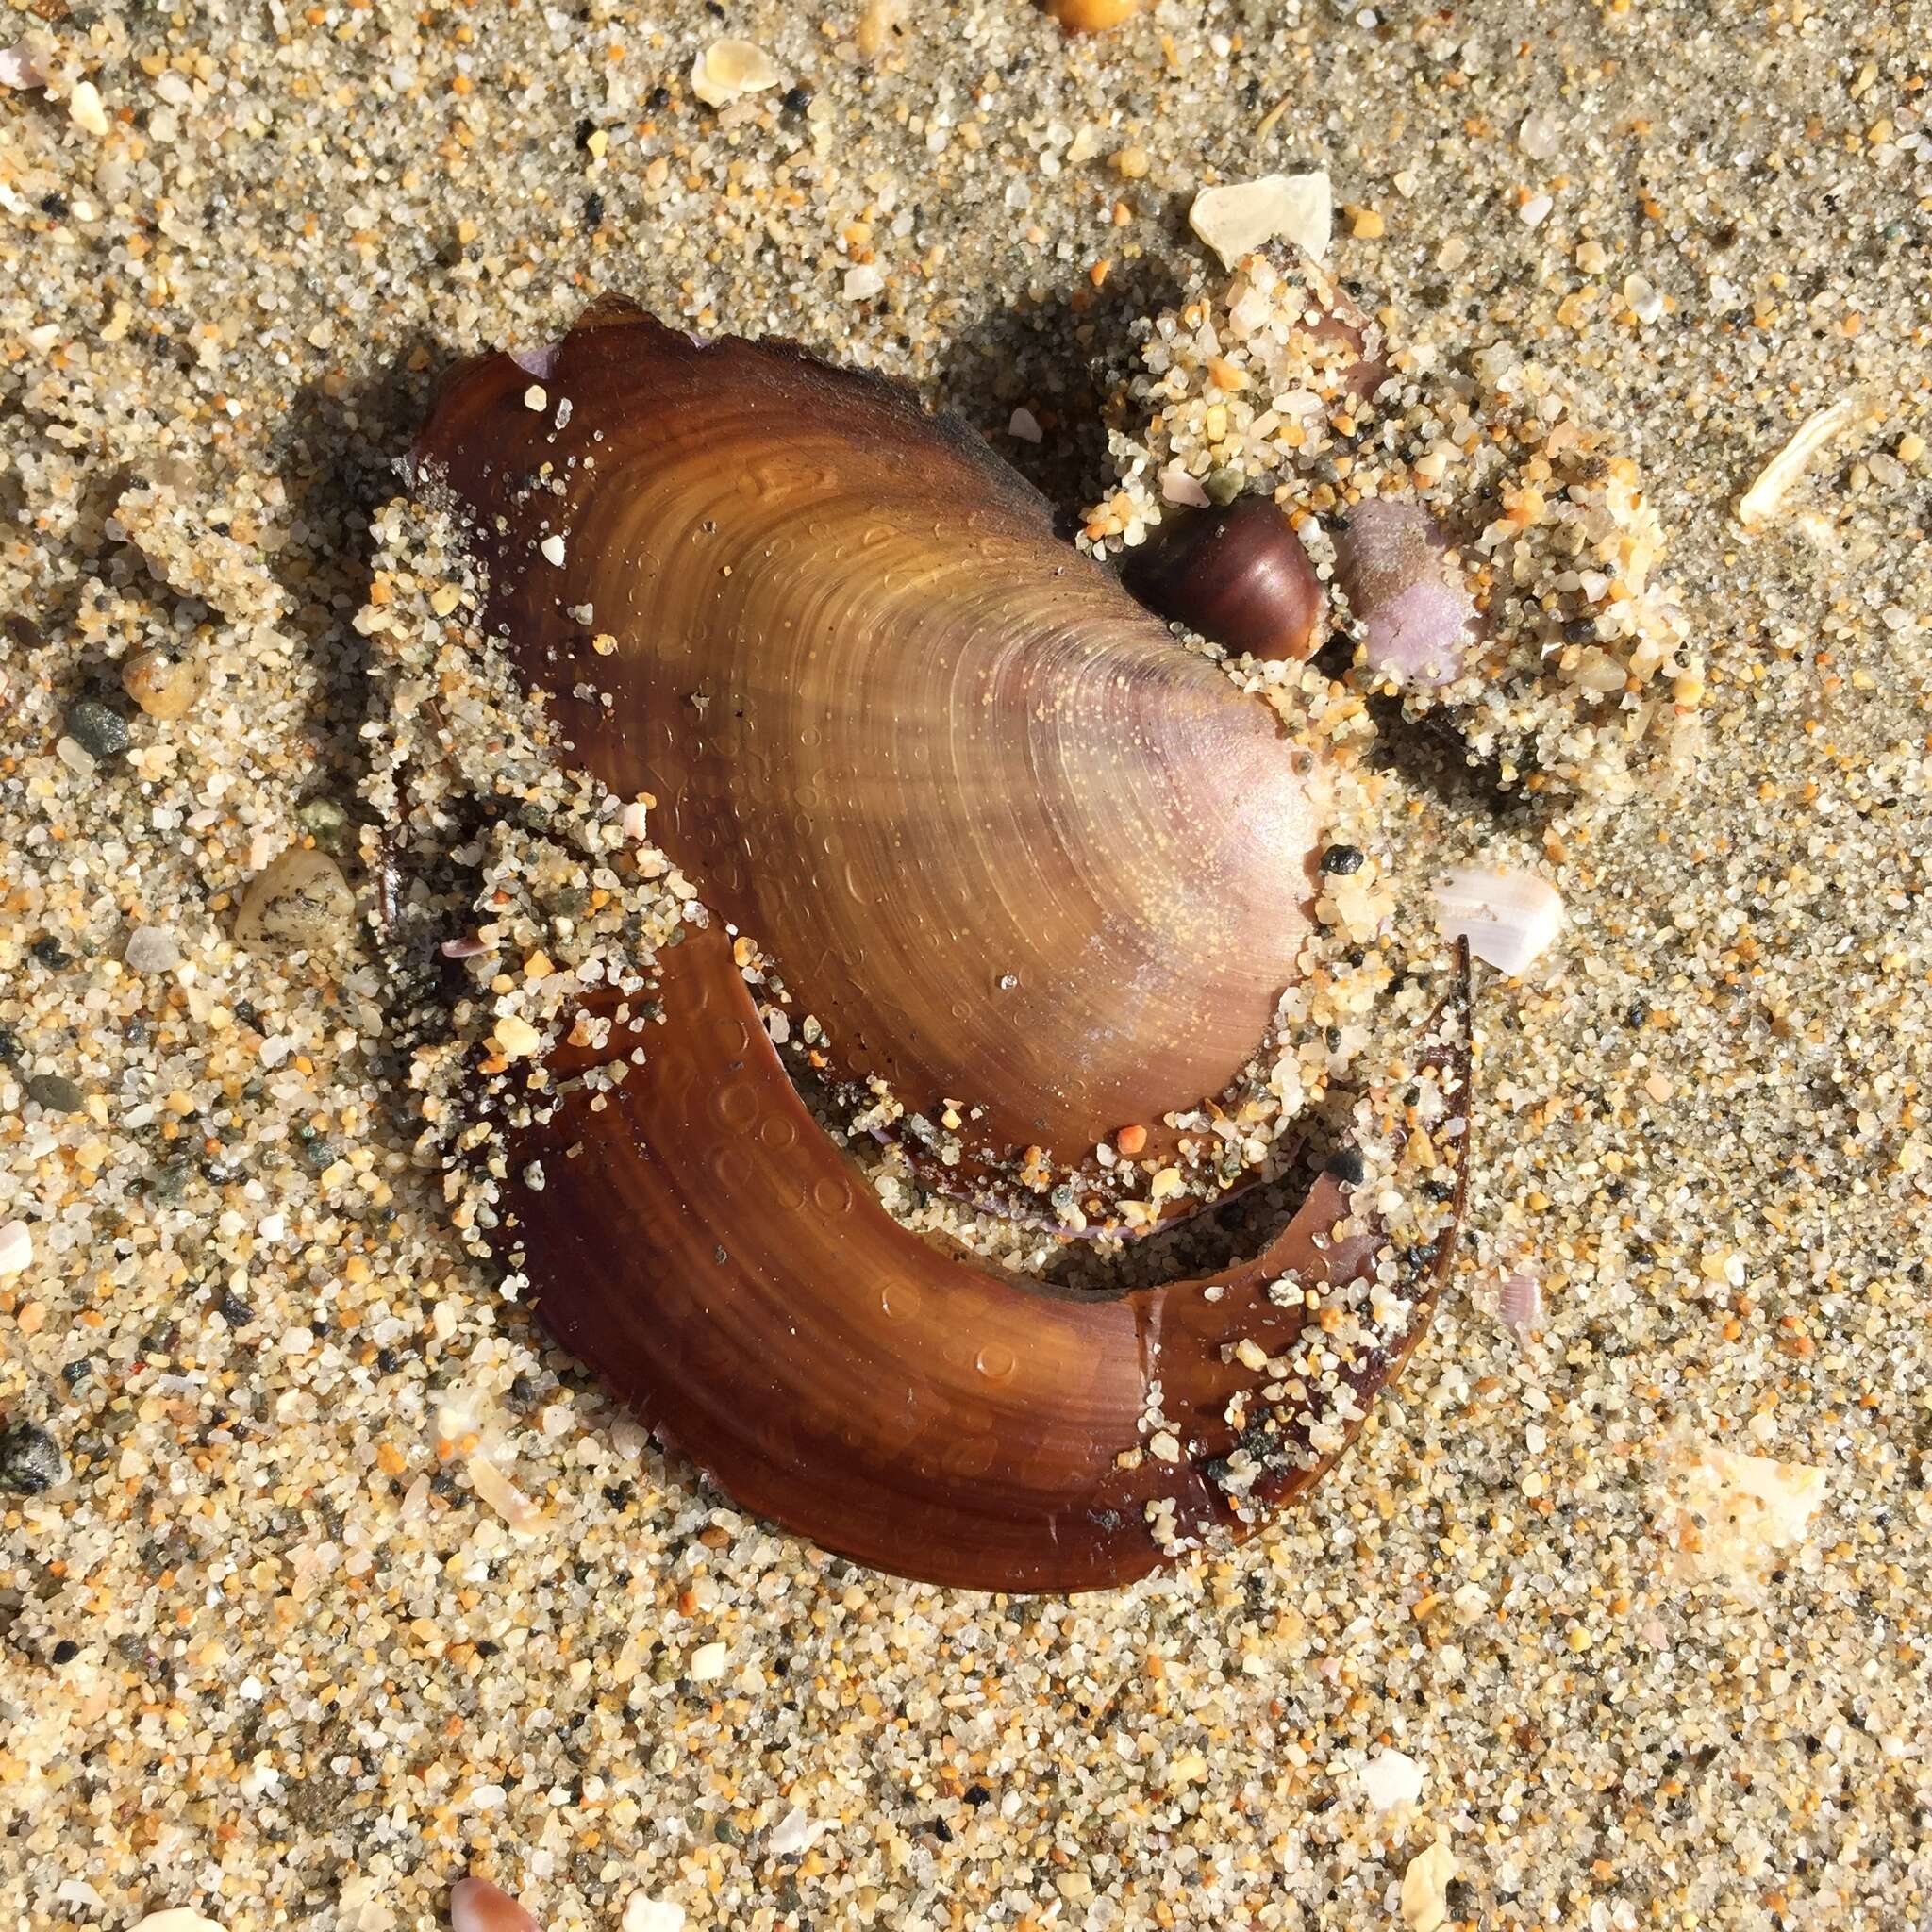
[{"x": 348, "y": 1585}]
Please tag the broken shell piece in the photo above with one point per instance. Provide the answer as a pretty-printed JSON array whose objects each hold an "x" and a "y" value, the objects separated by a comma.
[
  {"x": 719, "y": 1261},
  {"x": 476, "y": 1906},
  {"x": 1425, "y": 1887},
  {"x": 1391, "y": 1779},
  {"x": 728, "y": 69},
  {"x": 163, "y": 685},
  {"x": 1743, "y": 1509},
  {"x": 19, "y": 68},
  {"x": 1509, "y": 918},
  {"x": 1419, "y": 619},
  {"x": 1760, "y": 502},
  {"x": 1520, "y": 1305},
  {"x": 966, "y": 795},
  {"x": 302, "y": 900},
  {"x": 1240, "y": 217}
]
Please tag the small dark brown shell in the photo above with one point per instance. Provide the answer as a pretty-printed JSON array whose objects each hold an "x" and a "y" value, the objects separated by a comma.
[{"x": 1239, "y": 575}]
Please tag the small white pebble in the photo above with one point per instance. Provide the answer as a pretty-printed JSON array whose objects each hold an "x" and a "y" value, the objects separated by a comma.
[
  {"x": 708, "y": 1663},
  {"x": 151, "y": 950},
  {"x": 76, "y": 757},
  {"x": 552, "y": 547},
  {"x": 1178, "y": 486},
  {"x": 84, "y": 106},
  {"x": 517, "y": 1038},
  {"x": 1165, "y": 1445},
  {"x": 536, "y": 397},
  {"x": 632, "y": 822},
  {"x": 862, "y": 281},
  {"x": 1646, "y": 302},
  {"x": 1023, "y": 425},
  {"x": 1538, "y": 136},
  {"x": 1535, "y": 212}
]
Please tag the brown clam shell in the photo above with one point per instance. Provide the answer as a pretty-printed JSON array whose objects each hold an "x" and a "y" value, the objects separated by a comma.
[
  {"x": 1014, "y": 848},
  {"x": 1010, "y": 846},
  {"x": 700, "y": 1243}
]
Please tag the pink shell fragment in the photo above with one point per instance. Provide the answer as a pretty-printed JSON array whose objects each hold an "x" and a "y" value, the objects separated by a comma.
[
  {"x": 19, "y": 67},
  {"x": 1521, "y": 1304},
  {"x": 476, "y": 1906},
  {"x": 537, "y": 361},
  {"x": 1419, "y": 619}
]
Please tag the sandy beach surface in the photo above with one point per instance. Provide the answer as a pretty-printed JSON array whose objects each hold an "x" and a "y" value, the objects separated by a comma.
[{"x": 323, "y": 1581}]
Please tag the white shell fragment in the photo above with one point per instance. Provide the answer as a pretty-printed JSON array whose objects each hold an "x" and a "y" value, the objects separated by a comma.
[
  {"x": 1391, "y": 1779},
  {"x": 646, "y": 1914},
  {"x": 1761, "y": 501},
  {"x": 1509, "y": 918},
  {"x": 16, "y": 1248},
  {"x": 1426, "y": 1889},
  {"x": 728, "y": 69},
  {"x": 793, "y": 1833},
  {"x": 177, "y": 1919},
  {"x": 1237, "y": 219},
  {"x": 1745, "y": 1510}
]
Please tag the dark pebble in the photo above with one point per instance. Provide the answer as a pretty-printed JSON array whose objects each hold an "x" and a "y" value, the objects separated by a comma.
[
  {"x": 51, "y": 953},
  {"x": 1345, "y": 1165},
  {"x": 30, "y": 1461},
  {"x": 1342, "y": 859},
  {"x": 56, "y": 1092},
  {"x": 66, "y": 1651},
  {"x": 97, "y": 728},
  {"x": 977, "y": 1795}
]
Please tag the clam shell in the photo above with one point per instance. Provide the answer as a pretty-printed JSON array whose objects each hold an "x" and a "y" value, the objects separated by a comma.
[
  {"x": 1007, "y": 843},
  {"x": 1014, "y": 847},
  {"x": 701, "y": 1244}
]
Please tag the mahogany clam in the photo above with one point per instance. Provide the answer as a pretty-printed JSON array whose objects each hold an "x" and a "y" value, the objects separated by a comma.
[{"x": 1029, "y": 862}]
